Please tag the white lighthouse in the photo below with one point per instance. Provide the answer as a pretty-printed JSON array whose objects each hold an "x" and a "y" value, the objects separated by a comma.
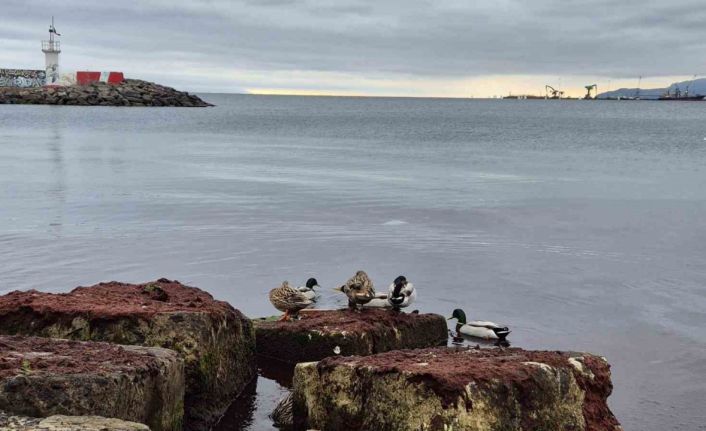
[{"x": 51, "y": 49}]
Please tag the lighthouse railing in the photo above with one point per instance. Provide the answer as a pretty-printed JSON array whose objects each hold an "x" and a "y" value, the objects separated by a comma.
[{"x": 51, "y": 45}]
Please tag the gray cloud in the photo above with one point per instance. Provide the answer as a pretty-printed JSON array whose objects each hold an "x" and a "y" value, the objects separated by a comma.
[{"x": 449, "y": 39}]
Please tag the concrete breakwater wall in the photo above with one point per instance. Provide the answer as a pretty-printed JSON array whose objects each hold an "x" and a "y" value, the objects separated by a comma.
[
  {"x": 22, "y": 78},
  {"x": 130, "y": 92},
  {"x": 29, "y": 78}
]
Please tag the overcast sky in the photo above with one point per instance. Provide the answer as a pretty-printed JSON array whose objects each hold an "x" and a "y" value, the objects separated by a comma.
[{"x": 382, "y": 47}]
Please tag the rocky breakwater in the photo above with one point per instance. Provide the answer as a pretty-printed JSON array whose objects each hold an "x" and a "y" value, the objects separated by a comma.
[
  {"x": 322, "y": 333},
  {"x": 216, "y": 341},
  {"x": 131, "y": 92},
  {"x": 458, "y": 389},
  {"x": 41, "y": 377}
]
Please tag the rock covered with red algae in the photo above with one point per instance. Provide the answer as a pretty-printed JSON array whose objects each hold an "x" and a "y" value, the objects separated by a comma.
[
  {"x": 456, "y": 388},
  {"x": 216, "y": 341},
  {"x": 322, "y": 333},
  {"x": 67, "y": 423},
  {"x": 41, "y": 377}
]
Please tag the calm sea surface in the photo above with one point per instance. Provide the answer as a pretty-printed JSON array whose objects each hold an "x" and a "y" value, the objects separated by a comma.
[{"x": 582, "y": 225}]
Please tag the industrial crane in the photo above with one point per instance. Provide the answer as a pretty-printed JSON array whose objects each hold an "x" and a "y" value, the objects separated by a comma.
[
  {"x": 588, "y": 91},
  {"x": 555, "y": 94}
]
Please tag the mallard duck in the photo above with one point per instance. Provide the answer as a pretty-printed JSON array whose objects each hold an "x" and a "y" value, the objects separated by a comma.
[
  {"x": 478, "y": 328},
  {"x": 400, "y": 294},
  {"x": 308, "y": 289},
  {"x": 359, "y": 289},
  {"x": 289, "y": 300}
]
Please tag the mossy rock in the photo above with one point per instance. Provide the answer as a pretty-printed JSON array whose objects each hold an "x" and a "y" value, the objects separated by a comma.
[
  {"x": 457, "y": 389},
  {"x": 322, "y": 333},
  {"x": 42, "y": 377}
]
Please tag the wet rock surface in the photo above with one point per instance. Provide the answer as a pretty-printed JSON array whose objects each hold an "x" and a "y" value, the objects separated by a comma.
[
  {"x": 131, "y": 92},
  {"x": 67, "y": 423},
  {"x": 215, "y": 341},
  {"x": 41, "y": 377},
  {"x": 466, "y": 389},
  {"x": 322, "y": 333}
]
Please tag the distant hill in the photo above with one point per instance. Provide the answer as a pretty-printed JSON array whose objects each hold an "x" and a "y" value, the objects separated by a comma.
[{"x": 696, "y": 87}]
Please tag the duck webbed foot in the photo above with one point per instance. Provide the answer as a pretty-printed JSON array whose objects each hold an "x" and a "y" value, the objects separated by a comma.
[{"x": 285, "y": 317}]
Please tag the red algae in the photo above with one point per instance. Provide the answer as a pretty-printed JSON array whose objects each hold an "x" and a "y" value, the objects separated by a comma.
[
  {"x": 115, "y": 299},
  {"x": 44, "y": 356},
  {"x": 327, "y": 321}
]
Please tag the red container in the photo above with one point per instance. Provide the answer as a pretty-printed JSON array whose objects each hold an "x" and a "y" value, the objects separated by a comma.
[
  {"x": 84, "y": 78},
  {"x": 115, "y": 77}
]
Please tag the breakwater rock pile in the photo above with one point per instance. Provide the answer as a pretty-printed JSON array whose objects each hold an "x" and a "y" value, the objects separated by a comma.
[
  {"x": 131, "y": 92},
  {"x": 456, "y": 388},
  {"x": 215, "y": 341},
  {"x": 322, "y": 333}
]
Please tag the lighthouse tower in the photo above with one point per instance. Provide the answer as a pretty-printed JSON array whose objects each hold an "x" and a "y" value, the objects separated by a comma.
[{"x": 51, "y": 49}]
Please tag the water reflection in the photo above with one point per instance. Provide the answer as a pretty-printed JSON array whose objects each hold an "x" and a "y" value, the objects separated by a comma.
[
  {"x": 459, "y": 339},
  {"x": 57, "y": 187},
  {"x": 280, "y": 372},
  {"x": 252, "y": 410},
  {"x": 240, "y": 414}
]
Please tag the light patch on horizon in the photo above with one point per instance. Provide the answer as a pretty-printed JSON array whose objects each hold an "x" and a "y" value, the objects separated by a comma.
[{"x": 476, "y": 87}]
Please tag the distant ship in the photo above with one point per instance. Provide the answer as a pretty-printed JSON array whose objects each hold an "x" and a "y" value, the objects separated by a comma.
[{"x": 682, "y": 97}]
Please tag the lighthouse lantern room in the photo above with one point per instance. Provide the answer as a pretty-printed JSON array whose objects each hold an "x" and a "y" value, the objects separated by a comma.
[{"x": 51, "y": 49}]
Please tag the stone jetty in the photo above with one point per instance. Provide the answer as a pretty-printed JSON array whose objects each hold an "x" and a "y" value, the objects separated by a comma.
[
  {"x": 216, "y": 341},
  {"x": 131, "y": 92},
  {"x": 322, "y": 333},
  {"x": 456, "y": 388},
  {"x": 41, "y": 377}
]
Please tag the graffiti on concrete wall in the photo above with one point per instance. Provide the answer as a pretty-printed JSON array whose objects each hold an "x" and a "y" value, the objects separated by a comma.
[
  {"x": 22, "y": 78},
  {"x": 52, "y": 74}
]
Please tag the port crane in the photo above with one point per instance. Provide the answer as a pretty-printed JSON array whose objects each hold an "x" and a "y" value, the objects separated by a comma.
[
  {"x": 555, "y": 94},
  {"x": 588, "y": 91}
]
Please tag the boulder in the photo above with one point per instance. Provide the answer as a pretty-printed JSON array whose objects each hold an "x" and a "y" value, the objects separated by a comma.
[
  {"x": 67, "y": 423},
  {"x": 41, "y": 377},
  {"x": 216, "y": 341},
  {"x": 322, "y": 333},
  {"x": 456, "y": 388}
]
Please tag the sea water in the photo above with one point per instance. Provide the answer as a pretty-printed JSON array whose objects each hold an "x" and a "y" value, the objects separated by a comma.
[{"x": 580, "y": 224}]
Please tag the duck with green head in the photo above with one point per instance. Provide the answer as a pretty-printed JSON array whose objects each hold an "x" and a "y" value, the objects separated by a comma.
[
  {"x": 479, "y": 328},
  {"x": 308, "y": 289}
]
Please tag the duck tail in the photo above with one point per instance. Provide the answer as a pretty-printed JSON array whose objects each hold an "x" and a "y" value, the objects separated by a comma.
[{"x": 502, "y": 333}]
